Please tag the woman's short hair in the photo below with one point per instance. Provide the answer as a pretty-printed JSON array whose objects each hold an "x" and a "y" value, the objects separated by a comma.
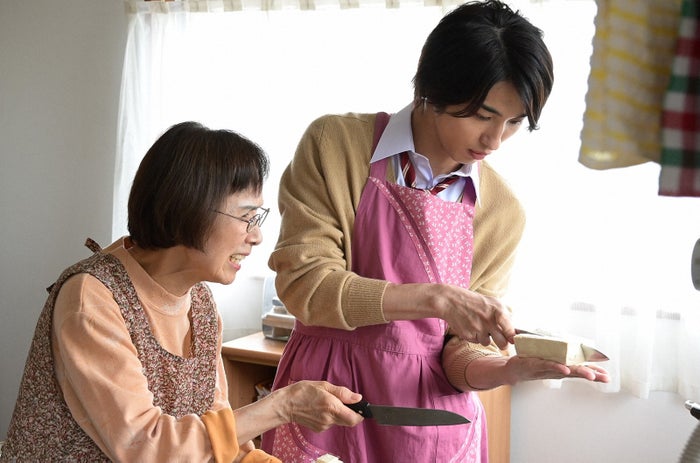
[
  {"x": 187, "y": 174},
  {"x": 477, "y": 45}
]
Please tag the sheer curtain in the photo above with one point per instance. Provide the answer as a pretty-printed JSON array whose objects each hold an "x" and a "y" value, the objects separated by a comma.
[{"x": 603, "y": 257}]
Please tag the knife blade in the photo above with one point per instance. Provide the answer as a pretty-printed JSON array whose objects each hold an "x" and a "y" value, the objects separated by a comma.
[
  {"x": 407, "y": 416},
  {"x": 590, "y": 354},
  {"x": 593, "y": 355}
]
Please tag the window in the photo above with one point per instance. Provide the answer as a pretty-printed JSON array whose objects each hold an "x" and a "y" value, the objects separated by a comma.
[{"x": 603, "y": 255}]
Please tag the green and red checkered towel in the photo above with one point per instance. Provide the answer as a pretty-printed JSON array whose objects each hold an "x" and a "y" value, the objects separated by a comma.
[{"x": 680, "y": 138}]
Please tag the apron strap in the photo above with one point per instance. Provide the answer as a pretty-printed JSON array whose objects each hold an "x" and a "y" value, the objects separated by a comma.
[
  {"x": 380, "y": 123},
  {"x": 92, "y": 245}
]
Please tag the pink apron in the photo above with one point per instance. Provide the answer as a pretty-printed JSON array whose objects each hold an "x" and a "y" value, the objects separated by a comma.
[{"x": 401, "y": 235}]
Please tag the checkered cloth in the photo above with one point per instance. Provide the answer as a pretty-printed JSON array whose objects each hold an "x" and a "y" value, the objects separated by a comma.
[{"x": 680, "y": 139}]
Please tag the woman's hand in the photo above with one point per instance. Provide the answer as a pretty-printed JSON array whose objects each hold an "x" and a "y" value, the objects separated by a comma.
[
  {"x": 471, "y": 316},
  {"x": 318, "y": 405}
]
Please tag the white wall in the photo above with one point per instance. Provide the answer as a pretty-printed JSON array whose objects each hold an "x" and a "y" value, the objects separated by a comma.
[
  {"x": 60, "y": 65},
  {"x": 60, "y": 72}
]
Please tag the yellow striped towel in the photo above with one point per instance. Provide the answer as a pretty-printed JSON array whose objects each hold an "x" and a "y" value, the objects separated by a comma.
[{"x": 633, "y": 49}]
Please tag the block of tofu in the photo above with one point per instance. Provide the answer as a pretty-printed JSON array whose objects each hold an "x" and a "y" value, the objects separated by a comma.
[{"x": 549, "y": 348}]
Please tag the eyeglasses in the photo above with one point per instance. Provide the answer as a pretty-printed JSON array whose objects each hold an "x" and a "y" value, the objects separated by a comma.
[{"x": 255, "y": 221}]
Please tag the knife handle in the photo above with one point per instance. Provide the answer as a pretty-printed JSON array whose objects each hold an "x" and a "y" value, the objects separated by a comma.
[
  {"x": 361, "y": 407},
  {"x": 693, "y": 408}
]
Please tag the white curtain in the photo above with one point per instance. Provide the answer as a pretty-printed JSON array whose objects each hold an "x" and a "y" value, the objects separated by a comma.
[{"x": 603, "y": 256}]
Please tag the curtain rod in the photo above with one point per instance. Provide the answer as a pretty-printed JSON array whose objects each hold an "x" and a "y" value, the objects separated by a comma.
[{"x": 173, "y": 6}]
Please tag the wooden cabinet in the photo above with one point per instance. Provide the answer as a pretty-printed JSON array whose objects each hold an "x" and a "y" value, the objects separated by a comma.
[
  {"x": 252, "y": 359},
  {"x": 248, "y": 361},
  {"x": 497, "y": 405}
]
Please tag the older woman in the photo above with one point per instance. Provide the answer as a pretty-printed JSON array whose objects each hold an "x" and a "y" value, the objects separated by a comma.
[{"x": 125, "y": 363}]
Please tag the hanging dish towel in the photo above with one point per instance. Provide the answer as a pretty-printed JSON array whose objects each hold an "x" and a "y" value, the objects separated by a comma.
[
  {"x": 633, "y": 49},
  {"x": 680, "y": 155}
]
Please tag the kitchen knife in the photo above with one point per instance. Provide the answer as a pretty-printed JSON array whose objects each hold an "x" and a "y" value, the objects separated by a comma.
[
  {"x": 405, "y": 416},
  {"x": 589, "y": 353}
]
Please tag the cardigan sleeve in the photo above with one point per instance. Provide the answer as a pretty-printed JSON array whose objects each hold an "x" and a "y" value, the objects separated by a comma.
[
  {"x": 457, "y": 355},
  {"x": 318, "y": 196}
]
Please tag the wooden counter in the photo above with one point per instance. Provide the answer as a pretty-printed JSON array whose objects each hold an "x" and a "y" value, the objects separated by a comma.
[
  {"x": 248, "y": 361},
  {"x": 252, "y": 359}
]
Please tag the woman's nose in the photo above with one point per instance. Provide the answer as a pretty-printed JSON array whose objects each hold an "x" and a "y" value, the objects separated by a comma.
[{"x": 255, "y": 236}]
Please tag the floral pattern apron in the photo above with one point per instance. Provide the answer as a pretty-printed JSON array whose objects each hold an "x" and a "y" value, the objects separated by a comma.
[{"x": 402, "y": 235}]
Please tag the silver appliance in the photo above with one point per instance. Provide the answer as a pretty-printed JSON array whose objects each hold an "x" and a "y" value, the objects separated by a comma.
[{"x": 277, "y": 322}]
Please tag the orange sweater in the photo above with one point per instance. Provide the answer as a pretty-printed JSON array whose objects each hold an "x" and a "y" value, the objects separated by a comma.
[{"x": 103, "y": 384}]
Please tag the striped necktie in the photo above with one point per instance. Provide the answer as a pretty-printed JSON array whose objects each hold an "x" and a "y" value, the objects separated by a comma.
[{"x": 409, "y": 175}]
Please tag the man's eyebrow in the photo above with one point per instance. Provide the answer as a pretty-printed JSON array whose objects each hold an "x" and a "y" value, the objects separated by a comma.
[
  {"x": 491, "y": 110},
  {"x": 488, "y": 108}
]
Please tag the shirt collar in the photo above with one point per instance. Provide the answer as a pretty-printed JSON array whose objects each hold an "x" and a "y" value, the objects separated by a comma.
[{"x": 397, "y": 136}]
